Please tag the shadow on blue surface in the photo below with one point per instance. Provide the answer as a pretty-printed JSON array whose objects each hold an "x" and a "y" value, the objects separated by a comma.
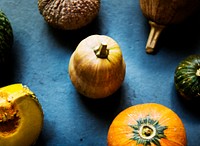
[
  {"x": 71, "y": 38},
  {"x": 43, "y": 139},
  {"x": 182, "y": 38},
  {"x": 104, "y": 109},
  {"x": 7, "y": 69},
  {"x": 190, "y": 107}
]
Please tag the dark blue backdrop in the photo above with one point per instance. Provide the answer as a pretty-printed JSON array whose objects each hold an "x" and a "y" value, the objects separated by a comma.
[{"x": 40, "y": 57}]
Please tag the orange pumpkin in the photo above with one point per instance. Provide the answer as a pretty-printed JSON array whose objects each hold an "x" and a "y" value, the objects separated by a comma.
[
  {"x": 96, "y": 67},
  {"x": 148, "y": 124}
]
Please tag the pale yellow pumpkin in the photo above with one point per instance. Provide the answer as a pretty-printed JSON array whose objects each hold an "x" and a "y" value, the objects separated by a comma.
[{"x": 97, "y": 67}]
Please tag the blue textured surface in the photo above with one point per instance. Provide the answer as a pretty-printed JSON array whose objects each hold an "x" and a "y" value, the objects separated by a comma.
[{"x": 40, "y": 61}]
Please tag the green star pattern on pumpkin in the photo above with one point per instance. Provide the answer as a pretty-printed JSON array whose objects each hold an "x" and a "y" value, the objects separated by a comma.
[{"x": 148, "y": 131}]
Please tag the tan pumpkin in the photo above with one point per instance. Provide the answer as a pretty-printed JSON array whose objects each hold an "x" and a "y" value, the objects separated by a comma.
[{"x": 96, "y": 67}]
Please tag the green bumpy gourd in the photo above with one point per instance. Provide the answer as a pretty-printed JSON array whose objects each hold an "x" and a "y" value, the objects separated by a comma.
[{"x": 6, "y": 37}]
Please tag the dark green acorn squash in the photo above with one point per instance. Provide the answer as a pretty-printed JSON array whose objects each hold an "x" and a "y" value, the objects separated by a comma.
[
  {"x": 187, "y": 77},
  {"x": 6, "y": 37}
]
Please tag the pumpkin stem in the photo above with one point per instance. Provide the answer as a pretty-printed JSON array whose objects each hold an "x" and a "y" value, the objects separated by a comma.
[
  {"x": 153, "y": 36},
  {"x": 198, "y": 72},
  {"x": 102, "y": 51},
  {"x": 147, "y": 131}
]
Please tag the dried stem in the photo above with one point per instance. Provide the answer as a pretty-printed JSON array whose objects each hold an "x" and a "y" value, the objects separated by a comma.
[
  {"x": 153, "y": 36},
  {"x": 102, "y": 51}
]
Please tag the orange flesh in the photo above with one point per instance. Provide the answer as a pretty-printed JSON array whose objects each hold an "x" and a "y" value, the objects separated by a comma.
[{"x": 9, "y": 120}]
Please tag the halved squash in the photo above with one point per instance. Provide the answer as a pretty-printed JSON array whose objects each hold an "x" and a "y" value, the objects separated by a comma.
[{"x": 21, "y": 116}]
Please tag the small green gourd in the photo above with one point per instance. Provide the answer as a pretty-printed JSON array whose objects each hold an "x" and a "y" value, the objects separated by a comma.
[
  {"x": 187, "y": 77},
  {"x": 6, "y": 37}
]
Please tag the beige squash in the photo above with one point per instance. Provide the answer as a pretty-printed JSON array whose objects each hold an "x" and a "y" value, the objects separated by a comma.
[{"x": 96, "y": 67}]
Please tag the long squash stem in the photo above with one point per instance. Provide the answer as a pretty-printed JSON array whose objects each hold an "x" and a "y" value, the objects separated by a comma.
[
  {"x": 102, "y": 51},
  {"x": 153, "y": 36},
  {"x": 198, "y": 72}
]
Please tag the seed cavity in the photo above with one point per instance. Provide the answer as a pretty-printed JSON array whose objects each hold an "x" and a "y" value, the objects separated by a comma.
[{"x": 9, "y": 119}]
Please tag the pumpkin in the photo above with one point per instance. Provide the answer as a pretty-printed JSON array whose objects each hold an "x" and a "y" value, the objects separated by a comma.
[
  {"x": 161, "y": 13},
  {"x": 187, "y": 77},
  {"x": 6, "y": 37},
  {"x": 21, "y": 116},
  {"x": 69, "y": 14},
  {"x": 96, "y": 67},
  {"x": 148, "y": 124}
]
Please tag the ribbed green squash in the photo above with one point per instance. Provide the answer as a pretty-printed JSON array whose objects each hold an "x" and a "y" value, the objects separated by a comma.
[
  {"x": 187, "y": 77},
  {"x": 6, "y": 37}
]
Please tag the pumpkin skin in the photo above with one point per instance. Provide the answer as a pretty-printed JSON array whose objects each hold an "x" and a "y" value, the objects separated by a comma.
[
  {"x": 187, "y": 77},
  {"x": 94, "y": 73},
  {"x": 148, "y": 124},
  {"x": 6, "y": 37}
]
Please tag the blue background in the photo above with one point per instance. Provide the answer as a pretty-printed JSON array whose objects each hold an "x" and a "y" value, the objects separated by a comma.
[{"x": 40, "y": 57}]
